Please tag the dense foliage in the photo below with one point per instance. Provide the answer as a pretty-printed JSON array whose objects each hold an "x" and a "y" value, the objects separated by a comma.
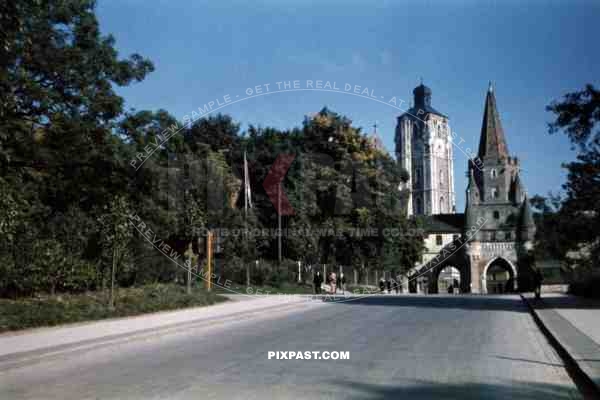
[
  {"x": 71, "y": 204},
  {"x": 571, "y": 224},
  {"x": 578, "y": 115}
]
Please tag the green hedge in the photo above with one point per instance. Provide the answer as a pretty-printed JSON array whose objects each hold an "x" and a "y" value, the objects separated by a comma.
[{"x": 62, "y": 309}]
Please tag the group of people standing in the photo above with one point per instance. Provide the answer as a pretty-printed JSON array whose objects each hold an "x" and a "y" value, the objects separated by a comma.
[
  {"x": 333, "y": 280},
  {"x": 388, "y": 284}
]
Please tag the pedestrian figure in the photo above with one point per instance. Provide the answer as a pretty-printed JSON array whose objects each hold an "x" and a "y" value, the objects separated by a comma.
[
  {"x": 509, "y": 287},
  {"x": 388, "y": 283},
  {"x": 538, "y": 278},
  {"x": 456, "y": 286},
  {"x": 381, "y": 285},
  {"x": 333, "y": 283},
  {"x": 396, "y": 286},
  {"x": 341, "y": 282},
  {"x": 318, "y": 280}
]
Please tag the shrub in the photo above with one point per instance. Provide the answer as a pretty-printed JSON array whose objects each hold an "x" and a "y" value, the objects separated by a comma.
[{"x": 587, "y": 287}]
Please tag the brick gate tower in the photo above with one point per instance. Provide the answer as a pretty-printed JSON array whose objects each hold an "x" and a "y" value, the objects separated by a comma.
[{"x": 496, "y": 194}]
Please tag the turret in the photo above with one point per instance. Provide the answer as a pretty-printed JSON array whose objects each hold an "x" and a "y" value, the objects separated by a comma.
[
  {"x": 517, "y": 191},
  {"x": 422, "y": 96},
  {"x": 472, "y": 200},
  {"x": 473, "y": 194},
  {"x": 527, "y": 223}
]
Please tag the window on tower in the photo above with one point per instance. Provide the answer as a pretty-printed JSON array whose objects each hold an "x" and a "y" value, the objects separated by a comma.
[{"x": 493, "y": 173}]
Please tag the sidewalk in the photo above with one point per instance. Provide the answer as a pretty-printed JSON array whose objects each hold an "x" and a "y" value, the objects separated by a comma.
[
  {"x": 22, "y": 346},
  {"x": 574, "y": 323}
]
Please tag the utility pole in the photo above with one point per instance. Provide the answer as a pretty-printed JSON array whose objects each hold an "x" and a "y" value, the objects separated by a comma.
[
  {"x": 209, "y": 259},
  {"x": 279, "y": 223}
]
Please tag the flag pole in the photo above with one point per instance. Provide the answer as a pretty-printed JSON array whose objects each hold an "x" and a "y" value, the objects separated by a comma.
[{"x": 246, "y": 203}]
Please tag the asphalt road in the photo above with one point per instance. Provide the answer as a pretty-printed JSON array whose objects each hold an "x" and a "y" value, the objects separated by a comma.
[{"x": 405, "y": 347}]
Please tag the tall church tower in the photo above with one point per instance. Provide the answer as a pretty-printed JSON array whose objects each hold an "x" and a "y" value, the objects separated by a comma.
[{"x": 424, "y": 149}]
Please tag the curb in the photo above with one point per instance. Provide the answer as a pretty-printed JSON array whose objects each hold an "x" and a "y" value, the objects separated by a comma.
[
  {"x": 15, "y": 360},
  {"x": 583, "y": 381}
]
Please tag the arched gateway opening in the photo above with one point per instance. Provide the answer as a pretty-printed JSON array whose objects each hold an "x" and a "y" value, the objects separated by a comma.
[
  {"x": 449, "y": 275},
  {"x": 499, "y": 277},
  {"x": 449, "y": 280}
]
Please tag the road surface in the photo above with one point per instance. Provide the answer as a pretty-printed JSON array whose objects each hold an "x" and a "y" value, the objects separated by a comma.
[{"x": 401, "y": 347}]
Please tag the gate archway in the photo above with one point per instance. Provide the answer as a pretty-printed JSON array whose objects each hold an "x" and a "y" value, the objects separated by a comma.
[
  {"x": 457, "y": 260},
  {"x": 448, "y": 279},
  {"x": 464, "y": 276},
  {"x": 499, "y": 276}
]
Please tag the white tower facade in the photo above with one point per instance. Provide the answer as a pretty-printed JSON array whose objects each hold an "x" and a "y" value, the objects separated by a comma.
[{"x": 424, "y": 148}]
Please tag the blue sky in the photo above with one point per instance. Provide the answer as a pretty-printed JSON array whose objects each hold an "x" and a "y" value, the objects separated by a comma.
[{"x": 533, "y": 51}]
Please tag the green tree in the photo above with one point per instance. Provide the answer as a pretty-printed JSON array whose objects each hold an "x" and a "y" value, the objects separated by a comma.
[
  {"x": 59, "y": 154},
  {"x": 578, "y": 116},
  {"x": 116, "y": 232}
]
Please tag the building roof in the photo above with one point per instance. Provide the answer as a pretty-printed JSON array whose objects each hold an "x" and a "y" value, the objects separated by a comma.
[
  {"x": 423, "y": 110},
  {"x": 422, "y": 105},
  {"x": 444, "y": 223},
  {"x": 492, "y": 142}
]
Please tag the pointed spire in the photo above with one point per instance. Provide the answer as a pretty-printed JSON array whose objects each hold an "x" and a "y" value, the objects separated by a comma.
[
  {"x": 472, "y": 189},
  {"x": 517, "y": 189},
  {"x": 472, "y": 185},
  {"x": 471, "y": 201},
  {"x": 376, "y": 140},
  {"x": 492, "y": 142},
  {"x": 527, "y": 231},
  {"x": 526, "y": 215}
]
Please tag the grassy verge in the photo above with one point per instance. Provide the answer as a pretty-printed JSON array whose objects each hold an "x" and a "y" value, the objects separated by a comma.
[
  {"x": 62, "y": 309},
  {"x": 288, "y": 288},
  {"x": 363, "y": 289}
]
